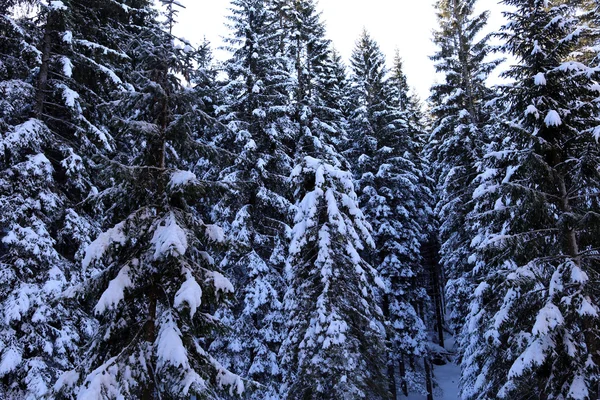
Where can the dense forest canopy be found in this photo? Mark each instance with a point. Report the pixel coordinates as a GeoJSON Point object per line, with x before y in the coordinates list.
{"type": "Point", "coordinates": [289, 224]}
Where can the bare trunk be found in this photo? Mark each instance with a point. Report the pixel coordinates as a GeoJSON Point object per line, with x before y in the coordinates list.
{"type": "Point", "coordinates": [428, 379]}
{"type": "Point", "coordinates": [392, 376]}
{"type": "Point", "coordinates": [403, 385]}
{"type": "Point", "coordinates": [572, 247]}
{"type": "Point", "coordinates": [149, 390]}
{"type": "Point", "coordinates": [42, 85]}
{"type": "Point", "coordinates": [432, 264]}
{"type": "Point", "coordinates": [463, 56]}
{"type": "Point", "coordinates": [391, 362]}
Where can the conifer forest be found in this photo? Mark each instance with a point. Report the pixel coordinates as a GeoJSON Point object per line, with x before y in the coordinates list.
{"type": "Point", "coordinates": [289, 224]}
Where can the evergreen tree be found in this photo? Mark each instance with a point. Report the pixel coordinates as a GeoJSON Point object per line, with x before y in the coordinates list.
{"type": "Point", "coordinates": [334, 343]}
{"type": "Point", "coordinates": [258, 212]}
{"type": "Point", "coordinates": [533, 321]}
{"type": "Point", "coordinates": [457, 139]}
{"type": "Point", "coordinates": [155, 285]}
{"type": "Point", "coordinates": [50, 129]}
{"type": "Point", "coordinates": [390, 191]}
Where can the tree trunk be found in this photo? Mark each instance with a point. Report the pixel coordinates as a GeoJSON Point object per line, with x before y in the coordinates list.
{"type": "Point", "coordinates": [428, 378]}
{"type": "Point", "coordinates": [42, 84]}
{"type": "Point", "coordinates": [432, 264]}
{"type": "Point", "coordinates": [391, 363]}
{"type": "Point", "coordinates": [572, 247]}
{"type": "Point", "coordinates": [150, 337]}
{"type": "Point", "coordinates": [403, 385]}
{"type": "Point", "coordinates": [392, 376]}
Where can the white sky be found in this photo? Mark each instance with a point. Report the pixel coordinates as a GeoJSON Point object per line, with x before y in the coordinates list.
{"type": "Point", "coordinates": [402, 24]}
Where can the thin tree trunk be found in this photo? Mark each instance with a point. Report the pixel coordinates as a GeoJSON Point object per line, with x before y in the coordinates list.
{"type": "Point", "coordinates": [392, 376]}
{"type": "Point", "coordinates": [428, 379]}
{"type": "Point", "coordinates": [150, 337]}
{"type": "Point", "coordinates": [158, 160]}
{"type": "Point", "coordinates": [403, 385]}
{"type": "Point", "coordinates": [391, 363]}
{"type": "Point", "coordinates": [571, 236]}
{"type": "Point", "coordinates": [430, 251]}
{"type": "Point", "coordinates": [42, 85]}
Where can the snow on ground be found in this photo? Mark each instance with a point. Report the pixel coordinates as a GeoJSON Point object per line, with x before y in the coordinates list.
{"type": "Point", "coordinates": [446, 376]}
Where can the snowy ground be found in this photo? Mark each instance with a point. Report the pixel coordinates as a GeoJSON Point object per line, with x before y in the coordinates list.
{"type": "Point", "coordinates": [447, 379]}
{"type": "Point", "coordinates": [446, 376]}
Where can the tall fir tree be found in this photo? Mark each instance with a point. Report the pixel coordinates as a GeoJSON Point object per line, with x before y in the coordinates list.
{"type": "Point", "coordinates": [51, 129]}
{"type": "Point", "coordinates": [457, 138]}
{"type": "Point", "coordinates": [392, 197]}
{"type": "Point", "coordinates": [154, 285]}
{"type": "Point", "coordinates": [258, 212]}
{"type": "Point", "coordinates": [533, 321]}
{"type": "Point", "coordinates": [334, 342]}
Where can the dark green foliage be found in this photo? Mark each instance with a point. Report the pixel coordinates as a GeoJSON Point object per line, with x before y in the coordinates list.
{"type": "Point", "coordinates": [457, 140]}
{"type": "Point", "coordinates": [533, 320]}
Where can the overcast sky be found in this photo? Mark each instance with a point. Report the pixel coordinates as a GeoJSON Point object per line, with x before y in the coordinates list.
{"type": "Point", "coordinates": [402, 24]}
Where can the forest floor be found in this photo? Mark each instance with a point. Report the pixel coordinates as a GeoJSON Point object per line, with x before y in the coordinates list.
{"type": "Point", "coordinates": [446, 377]}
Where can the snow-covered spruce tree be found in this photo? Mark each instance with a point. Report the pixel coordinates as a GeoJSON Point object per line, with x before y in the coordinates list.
{"type": "Point", "coordinates": [391, 196]}
{"type": "Point", "coordinates": [258, 213]}
{"type": "Point", "coordinates": [334, 347]}
{"type": "Point", "coordinates": [533, 321]}
{"type": "Point", "coordinates": [154, 286]}
{"type": "Point", "coordinates": [457, 138]}
{"type": "Point", "coordinates": [50, 125]}
{"type": "Point", "coordinates": [408, 109]}
{"type": "Point", "coordinates": [334, 93]}
{"type": "Point", "coordinates": [32, 268]}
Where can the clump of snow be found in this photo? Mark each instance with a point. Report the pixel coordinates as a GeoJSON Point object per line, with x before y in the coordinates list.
{"type": "Point", "coordinates": [67, 67]}
{"type": "Point", "coordinates": [573, 66]}
{"type": "Point", "coordinates": [587, 308]}
{"type": "Point", "coordinates": [55, 282]}
{"type": "Point", "coordinates": [596, 134]}
{"type": "Point", "coordinates": [484, 189]}
{"type": "Point", "coordinates": [336, 332]}
{"type": "Point", "coordinates": [531, 109]}
{"type": "Point", "coordinates": [98, 247]}
{"type": "Point", "coordinates": [169, 238]}
{"type": "Point", "coordinates": [536, 48]}
{"type": "Point", "coordinates": [115, 292]}
{"type": "Point", "coordinates": [233, 381]}
{"type": "Point", "coordinates": [57, 5]}
{"type": "Point", "coordinates": [221, 283]}
{"type": "Point", "coordinates": [540, 79]}
{"type": "Point", "coordinates": [535, 354]}
{"type": "Point", "coordinates": [31, 132]}
{"type": "Point", "coordinates": [67, 37]}
{"type": "Point", "coordinates": [102, 382]}
{"type": "Point", "coordinates": [41, 161]}
{"type": "Point", "coordinates": [11, 358]}
{"type": "Point", "coordinates": [547, 319]}
{"type": "Point", "coordinates": [215, 233]}
{"type": "Point", "coordinates": [509, 173]}
{"type": "Point", "coordinates": [181, 178]}
{"type": "Point", "coordinates": [70, 97]}
{"type": "Point", "coordinates": [73, 162]}
{"type": "Point", "coordinates": [578, 275]}
{"type": "Point", "coordinates": [67, 379]}
{"type": "Point", "coordinates": [169, 346]}
{"type": "Point", "coordinates": [579, 389]}
{"type": "Point", "coordinates": [380, 283]}
{"type": "Point", "coordinates": [552, 119]}
{"type": "Point", "coordinates": [190, 293]}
